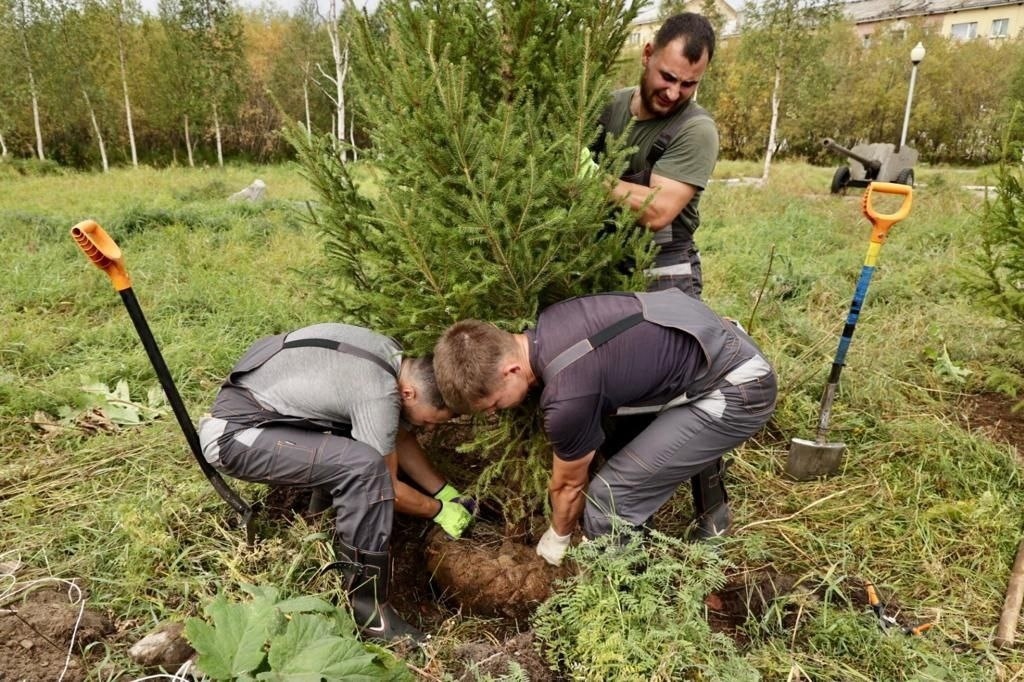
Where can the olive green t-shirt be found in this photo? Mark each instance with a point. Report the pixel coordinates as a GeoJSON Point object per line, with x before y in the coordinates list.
{"type": "Point", "coordinates": [690, 157]}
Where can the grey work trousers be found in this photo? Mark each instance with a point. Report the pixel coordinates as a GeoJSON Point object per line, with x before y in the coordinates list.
{"type": "Point", "coordinates": [686, 275]}
{"type": "Point", "coordinates": [354, 473]}
{"type": "Point", "coordinates": [635, 482]}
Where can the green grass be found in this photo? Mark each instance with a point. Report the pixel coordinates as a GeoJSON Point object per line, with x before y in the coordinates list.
{"type": "Point", "coordinates": [926, 506]}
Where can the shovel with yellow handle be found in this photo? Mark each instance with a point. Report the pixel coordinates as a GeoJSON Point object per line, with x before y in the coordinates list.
{"type": "Point", "coordinates": [809, 459]}
{"type": "Point", "coordinates": [105, 254]}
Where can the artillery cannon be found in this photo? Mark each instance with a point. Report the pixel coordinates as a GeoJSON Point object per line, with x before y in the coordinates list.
{"type": "Point", "coordinates": [870, 162]}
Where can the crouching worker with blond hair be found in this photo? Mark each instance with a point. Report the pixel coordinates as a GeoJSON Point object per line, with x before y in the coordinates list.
{"type": "Point", "coordinates": [702, 382]}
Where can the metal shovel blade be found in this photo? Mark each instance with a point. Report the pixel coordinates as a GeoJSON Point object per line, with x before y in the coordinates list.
{"type": "Point", "coordinates": [810, 459]}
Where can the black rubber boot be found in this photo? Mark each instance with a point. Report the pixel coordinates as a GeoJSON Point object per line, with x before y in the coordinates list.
{"type": "Point", "coordinates": [712, 517]}
{"type": "Point", "coordinates": [368, 580]}
{"type": "Point", "coordinates": [320, 500]}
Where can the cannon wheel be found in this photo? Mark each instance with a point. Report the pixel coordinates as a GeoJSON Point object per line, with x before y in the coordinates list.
{"type": "Point", "coordinates": [905, 177]}
{"type": "Point", "coordinates": [841, 179]}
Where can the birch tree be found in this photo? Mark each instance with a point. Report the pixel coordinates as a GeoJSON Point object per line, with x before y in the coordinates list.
{"type": "Point", "coordinates": [785, 36]}
{"type": "Point", "coordinates": [340, 54]}
{"type": "Point", "coordinates": [212, 31]}
{"type": "Point", "coordinates": [26, 17]}
{"type": "Point", "coordinates": [122, 15]}
{"type": "Point", "coordinates": [76, 50]}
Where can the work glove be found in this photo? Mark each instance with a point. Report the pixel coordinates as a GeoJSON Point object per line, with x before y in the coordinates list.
{"type": "Point", "coordinates": [449, 493]}
{"type": "Point", "coordinates": [454, 518]}
{"type": "Point", "coordinates": [588, 167]}
{"type": "Point", "coordinates": [552, 546]}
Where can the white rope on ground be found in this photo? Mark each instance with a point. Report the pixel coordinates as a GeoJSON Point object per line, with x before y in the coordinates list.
{"type": "Point", "coordinates": [12, 588]}
{"type": "Point", "coordinates": [186, 673]}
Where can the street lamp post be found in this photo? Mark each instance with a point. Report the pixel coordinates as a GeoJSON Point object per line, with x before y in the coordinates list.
{"type": "Point", "coordinates": [916, 56]}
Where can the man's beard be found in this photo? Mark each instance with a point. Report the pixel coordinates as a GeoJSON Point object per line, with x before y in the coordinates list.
{"type": "Point", "coordinates": [648, 99]}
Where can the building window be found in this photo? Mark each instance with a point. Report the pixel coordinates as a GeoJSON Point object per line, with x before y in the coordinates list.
{"type": "Point", "coordinates": [1000, 28]}
{"type": "Point", "coordinates": [964, 31]}
{"type": "Point", "coordinates": [634, 38]}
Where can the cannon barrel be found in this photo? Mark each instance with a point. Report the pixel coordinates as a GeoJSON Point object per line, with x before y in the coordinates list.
{"type": "Point", "coordinates": [870, 165]}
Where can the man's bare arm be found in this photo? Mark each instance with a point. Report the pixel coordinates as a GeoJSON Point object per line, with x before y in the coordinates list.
{"type": "Point", "coordinates": [408, 500]}
{"type": "Point", "coordinates": [668, 198]}
{"type": "Point", "coordinates": [568, 482]}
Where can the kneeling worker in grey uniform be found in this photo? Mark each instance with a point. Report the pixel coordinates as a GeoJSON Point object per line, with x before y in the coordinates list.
{"type": "Point", "coordinates": [620, 354]}
{"type": "Point", "coordinates": [331, 407]}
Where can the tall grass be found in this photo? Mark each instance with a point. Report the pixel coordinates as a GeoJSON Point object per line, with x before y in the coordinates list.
{"type": "Point", "coordinates": [926, 507]}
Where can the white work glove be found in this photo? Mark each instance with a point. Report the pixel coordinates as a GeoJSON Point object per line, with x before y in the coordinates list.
{"type": "Point", "coordinates": [552, 546]}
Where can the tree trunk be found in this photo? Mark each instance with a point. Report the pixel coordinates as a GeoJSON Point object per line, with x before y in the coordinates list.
{"type": "Point", "coordinates": [773, 129]}
{"type": "Point", "coordinates": [340, 72]}
{"type": "Point", "coordinates": [216, 132]}
{"type": "Point", "coordinates": [35, 98]}
{"type": "Point", "coordinates": [3, 146]}
{"type": "Point", "coordinates": [352, 139]}
{"type": "Point", "coordinates": [188, 145]}
{"type": "Point", "coordinates": [96, 129]}
{"type": "Point", "coordinates": [305, 101]}
{"type": "Point", "coordinates": [127, 100]}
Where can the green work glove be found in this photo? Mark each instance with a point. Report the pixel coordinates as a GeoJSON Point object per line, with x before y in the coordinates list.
{"type": "Point", "coordinates": [447, 493]}
{"type": "Point", "coordinates": [588, 167]}
{"type": "Point", "coordinates": [454, 518]}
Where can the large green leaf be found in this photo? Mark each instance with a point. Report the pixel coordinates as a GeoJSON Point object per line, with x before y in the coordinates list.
{"type": "Point", "coordinates": [233, 646]}
{"type": "Point", "coordinates": [308, 645]}
{"type": "Point", "coordinates": [305, 604]}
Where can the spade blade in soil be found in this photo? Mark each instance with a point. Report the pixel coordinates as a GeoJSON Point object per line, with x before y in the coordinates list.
{"type": "Point", "coordinates": [810, 459]}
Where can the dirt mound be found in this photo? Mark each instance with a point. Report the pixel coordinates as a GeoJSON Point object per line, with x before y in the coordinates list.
{"type": "Point", "coordinates": [994, 415]}
{"type": "Point", "coordinates": [490, 575]}
{"type": "Point", "coordinates": [36, 633]}
{"type": "Point", "coordinates": [745, 596]}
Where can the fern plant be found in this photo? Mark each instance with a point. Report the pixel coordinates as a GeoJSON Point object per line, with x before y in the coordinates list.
{"type": "Point", "coordinates": [636, 611]}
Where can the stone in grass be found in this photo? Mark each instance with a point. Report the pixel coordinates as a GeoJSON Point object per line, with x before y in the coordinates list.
{"type": "Point", "coordinates": [253, 192]}
{"type": "Point", "coordinates": [166, 647]}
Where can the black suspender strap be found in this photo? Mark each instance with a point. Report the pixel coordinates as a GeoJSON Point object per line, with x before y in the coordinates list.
{"type": "Point", "coordinates": [670, 132]}
{"type": "Point", "coordinates": [613, 330]}
{"type": "Point", "coordinates": [581, 348]}
{"type": "Point", "coordinates": [342, 347]}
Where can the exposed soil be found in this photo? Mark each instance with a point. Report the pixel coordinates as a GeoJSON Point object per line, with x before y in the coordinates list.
{"type": "Point", "coordinates": [490, 575]}
{"type": "Point", "coordinates": [36, 632]}
{"type": "Point", "coordinates": [746, 595]}
{"type": "Point", "coordinates": [993, 415]}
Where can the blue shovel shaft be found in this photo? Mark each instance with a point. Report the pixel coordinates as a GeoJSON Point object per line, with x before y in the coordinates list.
{"type": "Point", "coordinates": [825, 411]}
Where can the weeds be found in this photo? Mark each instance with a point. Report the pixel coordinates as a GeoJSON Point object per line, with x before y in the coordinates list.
{"type": "Point", "coordinates": [926, 506]}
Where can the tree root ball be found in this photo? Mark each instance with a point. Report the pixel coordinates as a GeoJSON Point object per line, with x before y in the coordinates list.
{"type": "Point", "coordinates": [487, 574]}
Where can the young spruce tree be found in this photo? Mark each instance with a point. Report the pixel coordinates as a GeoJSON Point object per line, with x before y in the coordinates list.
{"type": "Point", "coordinates": [477, 111]}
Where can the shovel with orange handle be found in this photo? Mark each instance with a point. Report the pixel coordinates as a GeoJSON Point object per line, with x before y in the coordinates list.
{"type": "Point", "coordinates": [809, 459]}
{"type": "Point", "coordinates": [105, 254]}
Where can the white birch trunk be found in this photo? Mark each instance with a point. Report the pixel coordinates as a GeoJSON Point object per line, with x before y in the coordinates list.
{"type": "Point", "coordinates": [3, 146]}
{"type": "Point", "coordinates": [340, 55]}
{"type": "Point", "coordinates": [773, 129]}
{"type": "Point", "coordinates": [305, 102]}
{"type": "Point", "coordinates": [96, 129]}
{"type": "Point", "coordinates": [216, 132]}
{"type": "Point", "coordinates": [35, 118]}
{"type": "Point", "coordinates": [127, 100]}
{"type": "Point", "coordinates": [188, 144]}
{"type": "Point", "coordinates": [35, 97]}
{"type": "Point", "coordinates": [352, 139]}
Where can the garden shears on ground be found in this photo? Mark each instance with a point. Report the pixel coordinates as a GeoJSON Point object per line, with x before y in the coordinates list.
{"type": "Point", "coordinates": [886, 622]}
